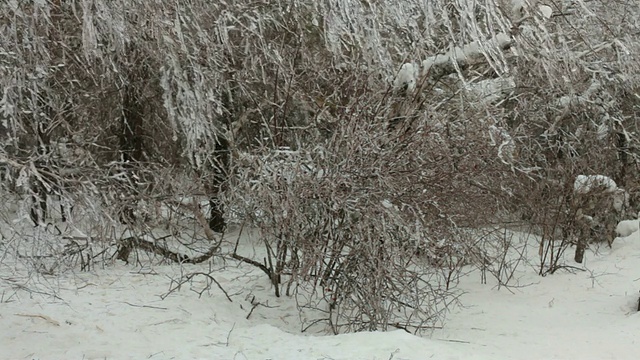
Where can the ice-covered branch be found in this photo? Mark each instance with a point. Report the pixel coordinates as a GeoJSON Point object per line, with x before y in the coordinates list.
{"type": "Point", "coordinates": [460, 56]}
{"type": "Point", "coordinates": [585, 97]}
{"type": "Point", "coordinates": [447, 63]}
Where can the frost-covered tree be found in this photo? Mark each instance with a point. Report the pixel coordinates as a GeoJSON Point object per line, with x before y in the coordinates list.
{"type": "Point", "coordinates": [370, 142]}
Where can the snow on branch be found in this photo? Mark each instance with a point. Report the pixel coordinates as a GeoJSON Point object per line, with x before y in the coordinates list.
{"type": "Point", "coordinates": [407, 77]}
{"type": "Point", "coordinates": [491, 90]}
{"type": "Point", "coordinates": [585, 97]}
{"type": "Point", "coordinates": [463, 55]}
{"type": "Point", "coordinates": [587, 183]}
{"type": "Point", "coordinates": [447, 63]}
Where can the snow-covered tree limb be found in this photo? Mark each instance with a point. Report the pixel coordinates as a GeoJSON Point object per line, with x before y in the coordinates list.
{"type": "Point", "coordinates": [450, 62]}
{"type": "Point", "coordinates": [442, 64]}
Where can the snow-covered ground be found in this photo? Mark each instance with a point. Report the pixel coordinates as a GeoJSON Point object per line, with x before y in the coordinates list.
{"type": "Point", "coordinates": [128, 312]}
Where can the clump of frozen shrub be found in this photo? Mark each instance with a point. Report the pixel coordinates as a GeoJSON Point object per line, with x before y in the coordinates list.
{"type": "Point", "coordinates": [371, 225]}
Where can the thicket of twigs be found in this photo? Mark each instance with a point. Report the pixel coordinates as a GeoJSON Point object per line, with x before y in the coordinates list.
{"type": "Point", "coordinates": [378, 148]}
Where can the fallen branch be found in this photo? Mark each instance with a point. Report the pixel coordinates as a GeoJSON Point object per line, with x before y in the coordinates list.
{"type": "Point", "coordinates": [247, 260]}
{"type": "Point", "coordinates": [126, 245]}
{"type": "Point", "coordinates": [44, 317]}
{"type": "Point", "coordinates": [252, 262]}
{"type": "Point", "coordinates": [190, 277]}
{"type": "Point", "coordinates": [146, 306]}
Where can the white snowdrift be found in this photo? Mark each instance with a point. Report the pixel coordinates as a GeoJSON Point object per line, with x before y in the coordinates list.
{"type": "Point", "coordinates": [117, 313]}
{"type": "Point", "coordinates": [627, 227]}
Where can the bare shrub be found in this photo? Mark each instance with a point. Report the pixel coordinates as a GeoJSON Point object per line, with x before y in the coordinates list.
{"type": "Point", "coordinates": [373, 222]}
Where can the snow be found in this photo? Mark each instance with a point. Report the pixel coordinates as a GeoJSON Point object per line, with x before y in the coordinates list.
{"type": "Point", "coordinates": [128, 312]}
{"type": "Point", "coordinates": [407, 77]}
{"type": "Point", "coordinates": [626, 227]}
{"type": "Point", "coordinates": [621, 200]}
{"type": "Point", "coordinates": [546, 11]}
{"type": "Point", "coordinates": [586, 183]}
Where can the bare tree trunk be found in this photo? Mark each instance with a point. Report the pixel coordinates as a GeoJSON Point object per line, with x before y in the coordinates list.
{"type": "Point", "coordinates": [131, 148]}
{"type": "Point", "coordinates": [220, 171]}
{"type": "Point", "coordinates": [580, 247]}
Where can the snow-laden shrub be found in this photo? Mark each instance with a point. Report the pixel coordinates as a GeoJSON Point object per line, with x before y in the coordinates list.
{"type": "Point", "coordinates": [599, 204]}
{"type": "Point", "coordinates": [371, 225]}
{"type": "Point", "coordinates": [584, 185]}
